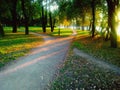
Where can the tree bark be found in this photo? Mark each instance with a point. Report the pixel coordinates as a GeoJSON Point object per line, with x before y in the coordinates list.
{"type": "Point", "coordinates": [111, 21]}
{"type": "Point", "coordinates": [43, 21]}
{"type": "Point", "coordinates": [90, 26]}
{"type": "Point", "coordinates": [83, 21]}
{"type": "Point", "coordinates": [26, 18]}
{"type": "Point", "coordinates": [52, 22]}
{"type": "Point", "coordinates": [1, 30]}
{"type": "Point", "coordinates": [14, 16]}
{"type": "Point", "coordinates": [93, 18]}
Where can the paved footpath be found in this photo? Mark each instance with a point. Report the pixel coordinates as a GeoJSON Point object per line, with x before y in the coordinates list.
{"type": "Point", "coordinates": [35, 70]}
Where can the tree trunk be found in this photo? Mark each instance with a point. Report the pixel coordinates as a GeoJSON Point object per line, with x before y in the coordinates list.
{"type": "Point", "coordinates": [43, 21]}
{"type": "Point", "coordinates": [26, 27]}
{"type": "Point", "coordinates": [83, 21]}
{"type": "Point", "coordinates": [93, 14]}
{"type": "Point", "coordinates": [107, 34]}
{"type": "Point", "coordinates": [14, 16]}
{"type": "Point", "coordinates": [26, 19]}
{"type": "Point", "coordinates": [1, 31]}
{"type": "Point", "coordinates": [52, 22]}
{"type": "Point", "coordinates": [90, 25]}
{"type": "Point", "coordinates": [111, 21]}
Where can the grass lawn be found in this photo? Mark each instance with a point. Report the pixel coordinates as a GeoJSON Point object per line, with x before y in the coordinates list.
{"type": "Point", "coordinates": [98, 48]}
{"type": "Point", "coordinates": [63, 31]}
{"type": "Point", "coordinates": [95, 46]}
{"type": "Point", "coordinates": [77, 73]}
{"type": "Point", "coordinates": [14, 45]}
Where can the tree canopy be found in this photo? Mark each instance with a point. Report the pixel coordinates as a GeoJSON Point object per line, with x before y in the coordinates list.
{"type": "Point", "coordinates": [86, 13]}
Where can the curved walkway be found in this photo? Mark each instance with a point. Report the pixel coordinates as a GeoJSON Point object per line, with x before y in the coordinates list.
{"type": "Point", "coordinates": [35, 70]}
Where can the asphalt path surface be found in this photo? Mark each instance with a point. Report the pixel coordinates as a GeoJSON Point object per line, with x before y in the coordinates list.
{"type": "Point", "coordinates": [35, 70]}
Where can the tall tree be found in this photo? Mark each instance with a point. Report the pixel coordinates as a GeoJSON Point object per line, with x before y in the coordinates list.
{"type": "Point", "coordinates": [1, 30]}
{"type": "Point", "coordinates": [1, 27]}
{"type": "Point", "coordinates": [52, 22]}
{"type": "Point", "coordinates": [44, 20]}
{"type": "Point", "coordinates": [51, 17]}
{"type": "Point", "coordinates": [112, 7]}
{"type": "Point", "coordinates": [44, 6]}
{"type": "Point", "coordinates": [26, 15]}
{"type": "Point", "coordinates": [3, 13]}
{"type": "Point", "coordinates": [13, 9]}
{"type": "Point", "coordinates": [93, 5]}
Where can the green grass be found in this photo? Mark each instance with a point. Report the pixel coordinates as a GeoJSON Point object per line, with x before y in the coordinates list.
{"type": "Point", "coordinates": [63, 32]}
{"type": "Point", "coordinates": [31, 29]}
{"type": "Point", "coordinates": [98, 48]}
{"type": "Point", "coordinates": [37, 29]}
{"type": "Point", "coordinates": [14, 45]}
{"type": "Point", "coordinates": [76, 73]}
{"type": "Point", "coordinates": [79, 74]}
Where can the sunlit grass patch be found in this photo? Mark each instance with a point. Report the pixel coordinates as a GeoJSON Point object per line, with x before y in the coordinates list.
{"type": "Point", "coordinates": [79, 74]}
{"type": "Point", "coordinates": [63, 32]}
{"type": "Point", "coordinates": [21, 28]}
{"type": "Point", "coordinates": [35, 29]}
{"type": "Point", "coordinates": [98, 48]}
{"type": "Point", "coordinates": [14, 45]}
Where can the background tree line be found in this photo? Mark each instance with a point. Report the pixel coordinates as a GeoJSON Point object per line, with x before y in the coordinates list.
{"type": "Point", "coordinates": [86, 13]}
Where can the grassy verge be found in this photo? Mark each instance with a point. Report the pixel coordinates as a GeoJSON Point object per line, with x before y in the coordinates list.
{"type": "Point", "coordinates": [98, 48]}
{"type": "Point", "coordinates": [79, 74]}
{"type": "Point", "coordinates": [14, 45]}
{"type": "Point", "coordinates": [63, 31]}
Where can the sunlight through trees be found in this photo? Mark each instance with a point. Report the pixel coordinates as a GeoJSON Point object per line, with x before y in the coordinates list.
{"type": "Point", "coordinates": [97, 16]}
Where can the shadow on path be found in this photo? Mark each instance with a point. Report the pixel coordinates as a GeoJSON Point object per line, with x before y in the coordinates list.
{"type": "Point", "coordinates": [35, 70]}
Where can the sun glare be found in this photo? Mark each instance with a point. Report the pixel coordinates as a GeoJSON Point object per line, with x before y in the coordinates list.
{"type": "Point", "coordinates": [118, 27]}
{"type": "Point", "coordinates": [118, 30]}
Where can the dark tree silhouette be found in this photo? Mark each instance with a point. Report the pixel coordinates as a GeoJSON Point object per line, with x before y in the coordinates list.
{"type": "Point", "coordinates": [13, 9]}
{"type": "Point", "coordinates": [52, 22]}
{"type": "Point", "coordinates": [93, 5]}
{"type": "Point", "coordinates": [112, 6]}
{"type": "Point", "coordinates": [1, 30]}
{"type": "Point", "coordinates": [44, 20]}
{"type": "Point", "coordinates": [26, 17]}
